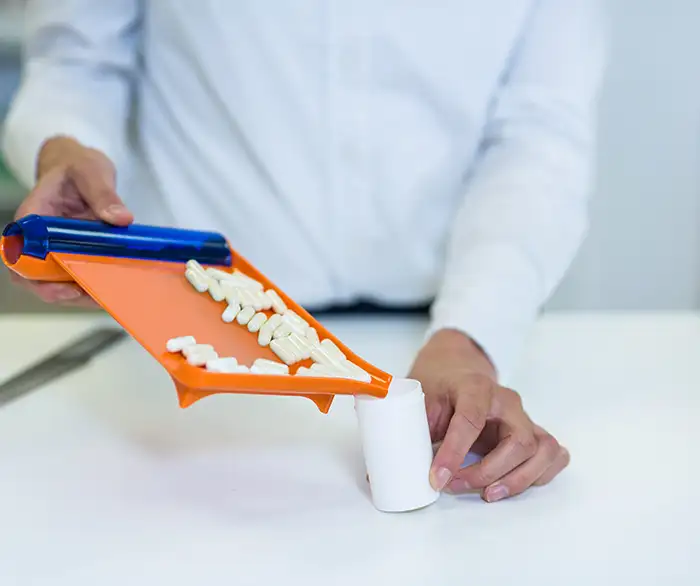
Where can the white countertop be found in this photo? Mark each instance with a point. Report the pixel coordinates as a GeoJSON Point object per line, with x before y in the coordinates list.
{"type": "Point", "coordinates": [104, 480]}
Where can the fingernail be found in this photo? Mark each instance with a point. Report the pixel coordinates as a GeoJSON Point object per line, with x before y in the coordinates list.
{"type": "Point", "coordinates": [496, 493]}
{"type": "Point", "coordinates": [115, 210]}
{"type": "Point", "coordinates": [68, 294]}
{"type": "Point", "coordinates": [440, 478]}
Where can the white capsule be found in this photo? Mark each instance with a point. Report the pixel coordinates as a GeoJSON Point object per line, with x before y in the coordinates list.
{"type": "Point", "coordinates": [201, 358]}
{"type": "Point", "coordinates": [230, 313]}
{"type": "Point", "coordinates": [355, 372]}
{"type": "Point", "coordinates": [312, 336]}
{"type": "Point", "coordinates": [239, 369]}
{"type": "Point", "coordinates": [241, 283]}
{"type": "Point", "coordinates": [284, 330]}
{"type": "Point", "coordinates": [278, 304]}
{"type": "Point", "coordinates": [198, 269]}
{"type": "Point", "coordinates": [196, 348]}
{"type": "Point", "coordinates": [221, 364]}
{"type": "Point", "coordinates": [245, 315]}
{"type": "Point", "coordinates": [304, 341]}
{"type": "Point", "coordinates": [194, 265]}
{"type": "Point", "coordinates": [264, 337]}
{"type": "Point", "coordinates": [292, 316]}
{"type": "Point", "coordinates": [198, 281]}
{"type": "Point", "coordinates": [320, 356]}
{"type": "Point", "coordinates": [301, 346]}
{"type": "Point", "coordinates": [324, 370]}
{"type": "Point", "coordinates": [288, 327]}
{"type": "Point", "coordinates": [275, 321]}
{"type": "Point", "coordinates": [271, 325]}
{"type": "Point", "coordinates": [270, 371]}
{"type": "Point", "coordinates": [247, 298]}
{"type": "Point", "coordinates": [258, 301]}
{"type": "Point", "coordinates": [333, 350]}
{"type": "Point", "coordinates": [315, 371]}
{"type": "Point", "coordinates": [267, 369]}
{"type": "Point", "coordinates": [231, 293]}
{"type": "Point", "coordinates": [216, 291]}
{"type": "Point", "coordinates": [265, 300]}
{"type": "Point", "coordinates": [179, 344]}
{"type": "Point", "coordinates": [230, 279]}
{"type": "Point", "coordinates": [251, 282]}
{"type": "Point", "coordinates": [297, 324]}
{"type": "Point", "coordinates": [217, 274]}
{"type": "Point", "coordinates": [256, 322]}
{"type": "Point", "coordinates": [292, 343]}
{"type": "Point", "coordinates": [270, 365]}
{"type": "Point", "coordinates": [283, 351]}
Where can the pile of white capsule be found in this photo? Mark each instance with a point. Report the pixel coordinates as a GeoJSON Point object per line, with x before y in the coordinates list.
{"type": "Point", "coordinates": [265, 314]}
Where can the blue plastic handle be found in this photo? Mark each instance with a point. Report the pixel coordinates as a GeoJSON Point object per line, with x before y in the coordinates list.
{"type": "Point", "coordinates": [41, 235]}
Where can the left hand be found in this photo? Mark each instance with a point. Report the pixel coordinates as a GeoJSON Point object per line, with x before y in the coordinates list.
{"type": "Point", "coordinates": [469, 411]}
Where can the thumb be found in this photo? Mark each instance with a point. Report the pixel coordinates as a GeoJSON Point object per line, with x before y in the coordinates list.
{"type": "Point", "coordinates": [95, 181]}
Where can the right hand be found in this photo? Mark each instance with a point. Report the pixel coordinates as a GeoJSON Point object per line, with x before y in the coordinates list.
{"type": "Point", "coordinates": [73, 181]}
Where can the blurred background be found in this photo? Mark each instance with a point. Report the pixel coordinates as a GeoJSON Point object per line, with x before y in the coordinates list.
{"type": "Point", "coordinates": [643, 250]}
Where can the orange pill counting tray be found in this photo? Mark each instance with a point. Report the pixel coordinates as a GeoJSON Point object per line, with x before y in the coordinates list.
{"type": "Point", "coordinates": [137, 274]}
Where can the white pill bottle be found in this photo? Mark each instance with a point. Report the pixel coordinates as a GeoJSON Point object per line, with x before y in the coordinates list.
{"type": "Point", "coordinates": [397, 448]}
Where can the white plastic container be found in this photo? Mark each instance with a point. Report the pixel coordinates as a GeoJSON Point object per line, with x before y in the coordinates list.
{"type": "Point", "coordinates": [397, 448]}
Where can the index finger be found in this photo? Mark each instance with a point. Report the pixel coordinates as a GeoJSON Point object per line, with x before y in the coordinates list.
{"type": "Point", "coordinates": [467, 423]}
{"type": "Point", "coordinates": [48, 292]}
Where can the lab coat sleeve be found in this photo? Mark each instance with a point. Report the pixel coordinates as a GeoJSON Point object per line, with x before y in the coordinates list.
{"type": "Point", "coordinates": [80, 57]}
{"type": "Point", "coordinates": [524, 214]}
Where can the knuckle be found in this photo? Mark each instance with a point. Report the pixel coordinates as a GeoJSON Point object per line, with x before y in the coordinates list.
{"type": "Point", "coordinates": [512, 397]}
{"type": "Point", "coordinates": [506, 402]}
{"type": "Point", "coordinates": [527, 443]}
{"type": "Point", "coordinates": [79, 167]}
{"type": "Point", "coordinates": [565, 457]}
{"type": "Point", "coordinates": [471, 415]}
{"type": "Point", "coordinates": [549, 445]}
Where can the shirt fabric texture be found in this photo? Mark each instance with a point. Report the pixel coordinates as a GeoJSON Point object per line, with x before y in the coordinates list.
{"type": "Point", "coordinates": [393, 151]}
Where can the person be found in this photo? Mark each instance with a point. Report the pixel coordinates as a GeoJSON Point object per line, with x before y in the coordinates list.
{"type": "Point", "coordinates": [356, 151]}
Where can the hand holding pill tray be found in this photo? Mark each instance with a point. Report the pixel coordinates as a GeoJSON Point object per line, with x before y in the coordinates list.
{"type": "Point", "coordinates": [218, 325]}
{"type": "Point", "coordinates": [210, 318]}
